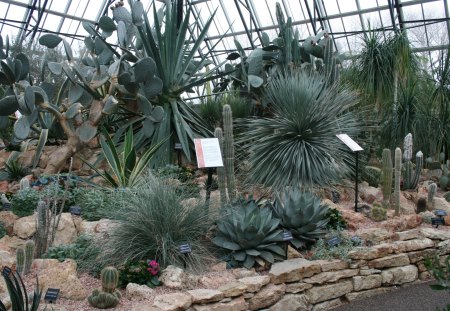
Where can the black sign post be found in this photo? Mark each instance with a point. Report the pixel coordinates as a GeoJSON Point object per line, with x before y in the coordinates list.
{"type": "Point", "coordinates": [185, 249]}
{"type": "Point", "coordinates": [355, 148]}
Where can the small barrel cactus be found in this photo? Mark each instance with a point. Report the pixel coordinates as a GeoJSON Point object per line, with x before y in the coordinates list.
{"type": "Point", "coordinates": [378, 213]}
{"type": "Point", "coordinates": [20, 260]}
{"type": "Point", "coordinates": [103, 300]}
{"type": "Point", "coordinates": [110, 278]}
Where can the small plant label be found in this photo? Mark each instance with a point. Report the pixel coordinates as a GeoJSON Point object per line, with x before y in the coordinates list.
{"type": "Point", "coordinates": [437, 221]}
{"type": "Point", "coordinates": [185, 248]}
{"type": "Point", "coordinates": [7, 206]}
{"type": "Point", "coordinates": [208, 152]}
{"type": "Point", "coordinates": [287, 236]}
{"type": "Point", "coordinates": [51, 295]}
{"type": "Point", "coordinates": [334, 241]}
{"type": "Point", "coordinates": [440, 212]}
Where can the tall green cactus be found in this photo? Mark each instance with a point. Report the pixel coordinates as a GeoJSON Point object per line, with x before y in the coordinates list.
{"type": "Point", "coordinates": [20, 260]}
{"type": "Point", "coordinates": [42, 228]}
{"type": "Point", "coordinates": [228, 150]}
{"type": "Point", "coordinates": [411, 180]}
{"type": "Point", "coordinates": [386, 177]}
{"type": "Point", "coordinates": [110, 278]}
{"type": "Point", "coordinates": [397, 177]}
{"type": "Point", "coordinates": [221, 179]}
{"type": "Point", "coordinates": [24, 183]}
{"type": "Point", "coordinates": [29, 256]}
{"type": "Point", "coordinates": [431, 193]}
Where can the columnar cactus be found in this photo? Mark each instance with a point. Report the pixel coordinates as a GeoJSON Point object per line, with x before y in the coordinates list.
{"type": "Point", "coordinates": [42, 227]}
{"type": "Point", "coordinates": [24, 183]}
{"type": "Point", "coordinates": [410, 181]}
{"type": "Point", "coordinates": [431, 193]}
{"type": "Point", "coordinates": [397, 177]}
{"type": "Point", "coordinates": [228, 150]}
{"type": "Point", "coordinates": [110, 278]}
{"type": "Point", "coordinates": [29, 255]}
{"type": "Point", "coordinates": [386, 177]}
{"type": "Point", "coordinates": [221, 180]}
{"type": "Point", "coordinates": [20, 260]}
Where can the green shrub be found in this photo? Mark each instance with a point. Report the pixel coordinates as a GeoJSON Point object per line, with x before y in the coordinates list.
{"type": "Point", "coordinates": [143, 272]}
{"type": "Point", "coordinates": [153, 223]}
{"type": "Point", "coordinates": [97, 203]}
{"type": "Point", "coordinates": [378, 213]}
{"type": "Point", "coordinates": [24, 202]}
{"type": "Point", "coordinates": [186, 176]}
{"type": "Point", "coordinates": [321, 250]}
{"type": "Point", "coordinates": [336, 221]}
{"type": "Point", "coordinates": [441, 272]}
{"type": "Point", "coordinates": [15, 170]}
{"type": "Point", "coordinates": [2, 230]}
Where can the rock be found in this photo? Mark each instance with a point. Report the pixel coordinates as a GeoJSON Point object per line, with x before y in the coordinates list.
{"type": "Point", "coordinates": [293, 270]}
{"type": "Point", "coordinates": [237, 304]}
{"type": "Point", "coordinates": [219, 267]}
{"type": "Point", "coordinates": [402, 223]}
{"type": "Point", "coordinates": [412, 245]}
{"type": "Point", "coordinates": [415, 257]}
{"type": "Point", "coordinates": [25, 227]}
{"type": "Point", "coordinates": [7, 258]}
{"type": "Point", "coordinates": [332, 265]}
{"type": "Point", "coordinates": [370, 194]}
{"type": "Point", "coordinates": [368, 293]}
{"type": "Point", "coordinates": [390, 261]}
{"type": "Point", "coordinates": [11, 243]}
{"type": "Point", "coordinates": [329, 291]}
{"type": "Point", "coordinates": [353, 219]}
{"type": "Point", "coordinates": [369, 253]}
{"type": "Point", "coordinates": [63, 275]}
{"type": "Point", "coordinates": [175, 278]}
{"type": "Point", "coordinates": [441, 203]}
{"type": "Point", "coordinates": [8, 218]}
{"type": "Point", "coordinates": [233, 289]}
{"type": "Point", "coordinates": [254, 283]}
{"type": "Point", "coordinates": [436, 234]}
{"type": "Point", "coordinates": [408, 235]}
{"type": "Point", "coordinates": [399, 275]}
{"type": "Point", "coordinates": [202, 296]}
{"type": "Point", "coordinates": [66, 232]}
{"type": "Point", "coordinates": [213, 279]}
{"type": "Point", "coordinates": [327, 305]}
{"type": "Point", "coordinates": [243, 273]}
{"type": "Point", "coordinates": [293, 253]}
{"type": "Point", "coordinates": [173, 302]}
{"type": "Point", "coordinates": [138, 292]}
{"type": "Point", "coordinates": [365, 272]}
{"type": "Point", "coordinates": [297, 287]}
{"type": "Point", "coordinates": [4, 184]}
{"type": "Point", "coordinates": [269, 295]}
{"type": "Point", "coordinates": [331, 276]}
{"type": "Point", "coordinates": [144, 307]}
{"type": "Point", "coordinates": [366, 282]}
{"type": "Point", "coordinates": [292, 302]}
{"type": "Point", "coordinates": [375, 235]}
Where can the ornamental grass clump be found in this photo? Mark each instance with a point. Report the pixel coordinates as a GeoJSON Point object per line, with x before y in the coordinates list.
{"type": "Point", "coordinates": [153, 223]}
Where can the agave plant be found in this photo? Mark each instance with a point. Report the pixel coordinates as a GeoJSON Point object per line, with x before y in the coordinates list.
{"type": "Point", "coordinates": [302, 214]}
{"type": "Point", "coordinates": [18, 292]}
{"type": "Point", "coordinates": [251, 234]}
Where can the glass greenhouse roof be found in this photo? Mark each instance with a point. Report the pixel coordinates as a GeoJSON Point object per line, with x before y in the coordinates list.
{"type": "Point", "coordinates": [426, 21]}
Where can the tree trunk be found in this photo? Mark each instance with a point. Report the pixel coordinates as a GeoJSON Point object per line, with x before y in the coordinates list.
{"type": "Point", "coordinates": [60, 157]}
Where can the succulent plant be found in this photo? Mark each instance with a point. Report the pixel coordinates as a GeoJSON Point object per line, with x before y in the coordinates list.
{"type": "Point", "coordinates": [103, 300]}
{"type": "Point", "coordinates": [302, 214]}
{"type": "Point", "coordinates": [20, 260]}
{"type": "Point", "coordinates": [386, 177]}
{"type": "Point", "coordinates": [110, 279]}
{"type": "Point", "coordinates": [29, 256]}
{"type": "Point", "coordinates": [378, 213]}
{"type": "Point", "coordinates": [251, 234]}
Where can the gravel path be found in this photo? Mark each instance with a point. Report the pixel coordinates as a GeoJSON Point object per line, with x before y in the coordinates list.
{"type": "Point", "coordinates": [418, 297]}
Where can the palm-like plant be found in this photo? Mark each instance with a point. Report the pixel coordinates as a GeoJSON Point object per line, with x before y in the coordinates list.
{"type": "Point", "coordinates": [251, 234]}
{"type": "Point", "coordinates": [302, 214]}
{"type": "Point", "coordinates": [298, 145]}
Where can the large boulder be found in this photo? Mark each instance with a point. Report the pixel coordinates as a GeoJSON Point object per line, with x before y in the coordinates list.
{"type": "Point", "coordinates": [63, 275]}
{"type": "Point", "coordinates": [8, 218]}
{"type": "Point", "coordinates": [138, 292]}
{"type": "Point", "coordinates": [293, 270]}
{"type": "Point", "coordinates": [66, 232]}
{"type": "Point", "coordinates": [25, 227]}
{"type": "Point", "coordinates": [175, 278]}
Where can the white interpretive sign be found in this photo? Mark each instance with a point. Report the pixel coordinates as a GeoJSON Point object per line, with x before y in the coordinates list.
{"type": "Point", "coordinates": [208, 152]}
{"type": "Point", "coordinates": [353, 145]}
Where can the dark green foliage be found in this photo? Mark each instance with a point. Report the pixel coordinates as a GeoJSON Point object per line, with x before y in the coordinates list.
{"type": "Point", "coordinates": [185, 175]}
{"type": "Point", "coordinates": [297, 146]}
{"type": "Point", "coordinates": [371, 174]}
{"type": "Point", "coordinates": [18, 293]}
{"type": "Point", "coordinates": [15, 170]}
{"type": "Point", "coordinates": [137, 272]}
{"type": "Point", "coordinates": [321, 250]}
{"type": "Point", "coordinates": [250, 234]}
{"type": "Point", "coordinates": [153, 223]}
{"type": "Point", "coordinates": [74, 251]}
{"type": "Point", "coordinates": [447, 196]}
{"type": "Point", "coordinates": [302, 214]}
{"type": "Point", "coordinates": [3, 231]}
{"type": "Point", "coordinates": [24, 202]}
{"type": "Point", "coordinates": [440, 270]}
{"type": "Point", "coordinates": [96, 203]}
{"type": "Point", "coordinates": [335, 220]}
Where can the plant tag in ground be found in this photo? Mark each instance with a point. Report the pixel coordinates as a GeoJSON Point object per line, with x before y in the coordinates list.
{"type": "Point", "coordinates": [334, 241]}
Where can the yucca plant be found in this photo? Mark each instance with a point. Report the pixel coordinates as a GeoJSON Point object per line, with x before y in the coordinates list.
{"type": "Point", "coordinates": [125, 166]}
{"type": "Point", "coordinates": [15, 170]}
{"type": "Point", "coordinates": [297, 145]}
{"type": "Point", "coordinates": [302, 214]}
{"type": "Point", "coordinates": [251, 234]}
{"type": "Point", "coordinates": [18, 292]}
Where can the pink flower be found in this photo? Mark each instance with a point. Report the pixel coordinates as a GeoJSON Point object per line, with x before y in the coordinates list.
{"type": "Point", "coordinates": [153, 267]}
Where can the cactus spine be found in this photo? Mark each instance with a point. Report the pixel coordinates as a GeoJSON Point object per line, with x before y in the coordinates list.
{"type": "Point", "coordinates": [29, 255]}
{"type": "Point", "coordinates": [110, 278]}
{"type": "Point", "coordinates": [228, 150]}
{"type": "Point", "coordinates": [20, 260]}
{"type": "Point", "coordinates": [431, 193]}
{"type": "Point", "coordinates": [386, 177]}
{"type": "Point", "coordinates": [397, 176]}
{"type": "Point", "coordinates": [221, 179]}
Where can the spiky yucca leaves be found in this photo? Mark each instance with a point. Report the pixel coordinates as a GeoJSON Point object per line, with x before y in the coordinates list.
{"type": "Point", "coordinates": [298, 146]}
{"type": "Point", "coordinates": [251, 234]}
{"type": "Point", "coordinates": [302, 214]}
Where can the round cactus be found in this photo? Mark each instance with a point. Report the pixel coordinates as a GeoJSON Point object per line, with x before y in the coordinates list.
{"type": "Point", "coordinates": [110, 278]}
{"type": "Point", "coordinates": [102, 300]}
